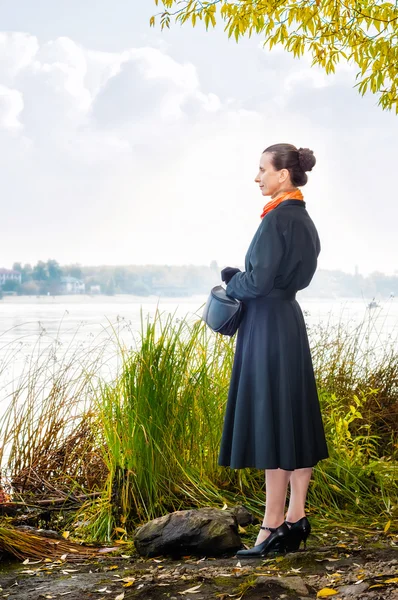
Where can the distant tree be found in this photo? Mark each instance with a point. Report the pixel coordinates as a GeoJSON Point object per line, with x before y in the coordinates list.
{"type": "Point", "coordinates": [17, 266]}
{"type": "Point", "coordinates": [54, 270]}
{"type": "Point", "coordinates": [361, 32]}
{"type": "Point", "coordinates": [10, 286]}
{"type": "Point", "coordinates": [30, 288]}
{"type": "Point", "coordinates": [74, 271]}
{"type": "Point", "coordinates": [27, 273]}
{"type": "Point", "coordinates": [40, 272]}
{"type": "Point", "coordinates": [110, 288]}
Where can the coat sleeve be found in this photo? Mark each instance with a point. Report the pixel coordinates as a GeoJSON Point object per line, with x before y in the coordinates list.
{"type": "Point", "coordinates": [264, 261]}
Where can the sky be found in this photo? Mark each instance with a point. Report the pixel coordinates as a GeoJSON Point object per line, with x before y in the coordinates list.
{"type": "Point", "coordinates": [123, 144]}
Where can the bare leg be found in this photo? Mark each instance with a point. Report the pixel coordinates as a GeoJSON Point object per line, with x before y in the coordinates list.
{"type": "Point", "coordinates": [299, 482]}
{"type": "Point", "coordinates": [276, 481]}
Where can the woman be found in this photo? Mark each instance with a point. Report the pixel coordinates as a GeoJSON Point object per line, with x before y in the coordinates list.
{"type": "Point", "coordinates": [273, 420]}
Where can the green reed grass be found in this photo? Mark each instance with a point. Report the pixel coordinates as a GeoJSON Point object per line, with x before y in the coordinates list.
{"type": "Point", "coordinates": [148, 438]}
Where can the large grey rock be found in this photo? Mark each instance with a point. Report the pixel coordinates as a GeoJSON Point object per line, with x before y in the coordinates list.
{"type": "Point", "coordinates": [206, 531]}
{"type": "Point", "coordinates": [243, 516]}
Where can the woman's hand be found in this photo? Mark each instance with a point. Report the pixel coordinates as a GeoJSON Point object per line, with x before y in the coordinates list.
{"type": "Point", "coordinates": [228, 273]}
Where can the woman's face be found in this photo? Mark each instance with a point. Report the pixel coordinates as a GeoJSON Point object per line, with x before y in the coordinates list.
{"type": "Point", "coordinates": [271, 182]}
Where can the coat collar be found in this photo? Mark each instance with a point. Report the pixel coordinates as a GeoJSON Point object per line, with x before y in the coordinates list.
{"type": "Point", "coordinates": [300, 203]}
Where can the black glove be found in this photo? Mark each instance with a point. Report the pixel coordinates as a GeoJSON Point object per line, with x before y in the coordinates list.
{"type": "Point", "coordinates": [228, 273]}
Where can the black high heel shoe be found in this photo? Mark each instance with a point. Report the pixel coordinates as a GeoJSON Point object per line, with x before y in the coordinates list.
{"type": "Point", "coordinates": [275, 542]}
{"type": "Point", "coordinates": [299, 532]}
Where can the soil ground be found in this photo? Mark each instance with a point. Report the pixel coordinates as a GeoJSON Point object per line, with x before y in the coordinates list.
{"type": "Point", "coordinates": [354, 567]}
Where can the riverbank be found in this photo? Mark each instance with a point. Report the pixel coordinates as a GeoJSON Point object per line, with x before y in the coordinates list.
{"type": "Point", "coordinates": [353, 564]}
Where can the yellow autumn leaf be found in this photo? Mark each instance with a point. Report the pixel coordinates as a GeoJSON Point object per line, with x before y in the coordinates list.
{"type": "Point", "coordinates": [128, 584]}
{"type": "Point", "coordinates": [241, 529]}
{"type": "Point", "coordinates": [65, 534]}
{"type": "Point", "coordinates": [393, 580]}
{"type": "Point", "coordinates": [113, 567]}
{"type": "Point", "coordinates": [326, 592]}
{"type": "Point", "coordinates": [387, 526]}
{"type": "Point", "coordinates": [120, 530]}
{"type": "Point", "coordinates": [128, 579]}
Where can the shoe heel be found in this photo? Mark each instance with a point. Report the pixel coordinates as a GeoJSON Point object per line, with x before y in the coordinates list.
{"type": "Point", "coordinates": [306, 533]}
{"type": "Point", "coordinates": [293, 543]}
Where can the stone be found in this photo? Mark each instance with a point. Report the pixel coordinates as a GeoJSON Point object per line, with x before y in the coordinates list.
{"type": "Point", "coordinates": [204, 532]}
{"type": "Point", "coordinates": [354, 589]}
{"type": "Point", "coordinates": [243, 516]}
{"type": "Point", "coordinates": [292, 584]}
{"type": "Point", "coordinates": [47, 533]}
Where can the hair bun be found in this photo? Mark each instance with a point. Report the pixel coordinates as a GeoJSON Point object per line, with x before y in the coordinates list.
{"type": "Point", "coordinates": [307, 159]}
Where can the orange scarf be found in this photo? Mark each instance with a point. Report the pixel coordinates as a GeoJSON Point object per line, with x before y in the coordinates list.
{"type": "Point", "coordinates": [295, 195]}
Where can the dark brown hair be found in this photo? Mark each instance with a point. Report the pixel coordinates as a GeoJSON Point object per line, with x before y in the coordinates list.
{"type": "Point", "coordinates": [296, 161]}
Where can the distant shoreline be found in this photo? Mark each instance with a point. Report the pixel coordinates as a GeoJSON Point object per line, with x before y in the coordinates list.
{"type": "Point", "coordinates": [100, 299]}
{"type": "Point", "coordinates": [153, 299]}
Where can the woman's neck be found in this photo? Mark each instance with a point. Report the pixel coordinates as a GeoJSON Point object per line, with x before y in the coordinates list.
{"type": "Point", "coordinates": [284, 191]}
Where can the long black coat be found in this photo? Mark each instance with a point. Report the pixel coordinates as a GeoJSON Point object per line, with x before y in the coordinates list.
{"type": "Point", "coordinates": [273, 417]}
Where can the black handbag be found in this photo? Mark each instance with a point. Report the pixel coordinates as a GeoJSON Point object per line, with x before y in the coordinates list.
{"type": "Point", "coordinates": [222, 313]}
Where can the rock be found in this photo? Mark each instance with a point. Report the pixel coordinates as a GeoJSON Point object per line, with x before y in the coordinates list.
{"type": "Point", "coordinates": [243, 516]}
{"type": "Point", "coordinates": [354, 589]}
{"type": "Point", "coordinates": [47, 533]}
{"type": "Point", "coordinates": [206, 531]}
{"type": "Point", "coordinates": [292, 584]}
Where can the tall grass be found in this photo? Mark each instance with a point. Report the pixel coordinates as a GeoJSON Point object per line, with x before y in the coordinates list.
{"type": "Point", "coordinates": [148, 440]}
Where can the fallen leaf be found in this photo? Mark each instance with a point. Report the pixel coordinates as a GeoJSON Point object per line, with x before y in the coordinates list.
{"type": "Point", "coordinates": [225, 507]}
{"type": "Point", "coordinates": [120, 530]}
{"type": "Point", "coordinates": [129, 584]}
{"type": "Point", "coordinates": [393, 580]}
{"type": "Point", "coordinates": [113, 567]}
{"type": "Point", "coordinates": [387, 526]}
{"type": "Point", "coordinates": [119, 596]}
{"type": "Point", "coordinates": [193, 590]}
{"type": "Point", "coordinates": [241, 529]}
{"type": "Point", "coordinates": [65, 534]}
{"type": "Point", "coordinates": [326, 592]}
{"type": "Point", "coordinates": [128, 579]}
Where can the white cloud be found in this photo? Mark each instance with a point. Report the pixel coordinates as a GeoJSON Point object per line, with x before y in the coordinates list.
{"type": "Point", "coordinates": [126, 157]}
{"type": "Point", "coordinates": [17, 51]}
{"type": "Point", "coordinates": [11, 106]}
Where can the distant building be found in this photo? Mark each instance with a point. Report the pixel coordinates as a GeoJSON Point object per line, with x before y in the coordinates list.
{"type": "Point", "coordinates": [71, 285]}
{"type": "Point", "coordinates": [9, 275]}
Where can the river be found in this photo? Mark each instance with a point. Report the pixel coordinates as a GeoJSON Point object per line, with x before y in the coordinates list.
{"type": "Point", "coordinates": [31, 326]}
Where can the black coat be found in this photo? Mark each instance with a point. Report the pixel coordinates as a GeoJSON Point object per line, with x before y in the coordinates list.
{"type": "Point", "coordinates": [273, 418]}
